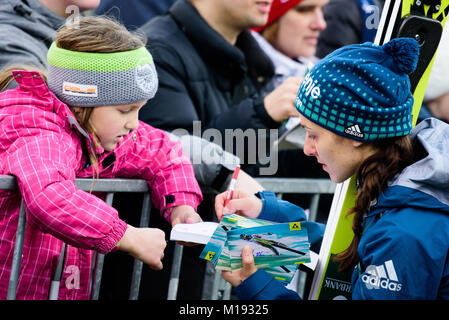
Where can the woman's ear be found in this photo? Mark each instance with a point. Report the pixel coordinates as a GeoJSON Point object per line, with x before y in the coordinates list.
{"type": "Point", "coordinates": [356, 144]}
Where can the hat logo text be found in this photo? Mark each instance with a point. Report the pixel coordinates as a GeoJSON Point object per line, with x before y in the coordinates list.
{"type": "Point", "coordinates": [311, 87]}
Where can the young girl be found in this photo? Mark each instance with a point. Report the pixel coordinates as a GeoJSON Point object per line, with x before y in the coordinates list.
{"type": "Point", "coordinates": [356, 107]}
{"type": "Point", "coordinates": [84, 123]}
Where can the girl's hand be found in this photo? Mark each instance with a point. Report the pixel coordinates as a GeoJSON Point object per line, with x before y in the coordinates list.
{"type": "Point", "coordinates": [238, 276]}
{"type": "Point", "coordinates": [184, 214]}
{"type": "Point", "coordinates": [145, 244]}
{"type": "Point", "coordinates": [242, 203]}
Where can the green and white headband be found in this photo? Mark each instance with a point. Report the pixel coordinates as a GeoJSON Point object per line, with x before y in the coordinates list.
{"type": "Point", "coordinates": [85, 79]}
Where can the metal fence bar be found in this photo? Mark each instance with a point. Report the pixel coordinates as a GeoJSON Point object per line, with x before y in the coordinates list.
{"type": "Point", "coordinates": [174, 273]}
{"type": "Point", "coordinates": [54, 288]}
{"type": "Point", "coordinates": [314, 207]}
{"type": "Point", "coordinates": [216, 285]}
{"type": "Point", "coordinates": [99, 261]}
{"type": "Point", "coordinates": [113, 185]}
{"type": "Point", "coordinates": [137, 269]}
{"type": "Point", "coordinates": [17, 257]}
{"type": "Point", "coordinates": [297, 185]}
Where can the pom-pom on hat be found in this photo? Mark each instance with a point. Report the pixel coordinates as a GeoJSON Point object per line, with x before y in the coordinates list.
{"type": "Point", "coordinates": [277, 10]}
{"type": "Point", "coordinates": [362, 91]}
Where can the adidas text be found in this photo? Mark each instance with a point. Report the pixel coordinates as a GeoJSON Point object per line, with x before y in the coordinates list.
{"type": "Point", "coordinates": [355, 131]}
{"type": "Point", "coordinates": [382, 277]}
{"type": "Point", "coordinates": [378, 283]}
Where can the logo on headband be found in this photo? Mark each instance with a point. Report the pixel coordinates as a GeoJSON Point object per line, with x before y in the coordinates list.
{"type": "Point", "coordinates": [146, 77]}
{"type": "Point", "coordinates": [80, 90]}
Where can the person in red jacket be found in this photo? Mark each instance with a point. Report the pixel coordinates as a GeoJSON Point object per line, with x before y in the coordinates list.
{"type": "Point", "coordinates": [83, 122]}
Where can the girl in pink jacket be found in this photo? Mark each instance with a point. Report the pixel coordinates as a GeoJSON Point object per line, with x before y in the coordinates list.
{"type": "Point", "coordinates": [83, 122]}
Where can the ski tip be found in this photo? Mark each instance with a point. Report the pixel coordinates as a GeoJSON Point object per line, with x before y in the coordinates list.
{"type": "Point", "coordinates": [405, 52]}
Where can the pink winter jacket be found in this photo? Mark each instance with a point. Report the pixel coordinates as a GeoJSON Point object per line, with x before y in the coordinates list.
{"type": "Point", "coordinates": [42, 146]}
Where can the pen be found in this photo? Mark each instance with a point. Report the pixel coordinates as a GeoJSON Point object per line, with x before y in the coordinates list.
{"type": "Point", "coordinates": [232, 185]}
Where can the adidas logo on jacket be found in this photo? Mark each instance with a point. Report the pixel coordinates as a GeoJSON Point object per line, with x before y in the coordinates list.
{"type": "Point", "coordinates": [383, 276]}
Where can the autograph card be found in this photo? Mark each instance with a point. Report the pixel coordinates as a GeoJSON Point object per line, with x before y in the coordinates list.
{"type": "Point", "coordinates": [216, 250]}
{"type": "Point", "coordinates": [273, 245]}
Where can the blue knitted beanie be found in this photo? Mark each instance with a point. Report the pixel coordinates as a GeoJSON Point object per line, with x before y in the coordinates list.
{"type": "Point", "coordinates": [362, 91]}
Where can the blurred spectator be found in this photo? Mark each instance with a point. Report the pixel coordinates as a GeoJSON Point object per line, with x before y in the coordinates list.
{"type": "Point", "coordinates": [133, 13]}
{"type": "Point", "coordinates": [28, 28]}
{"type": "Point", "coordinates": [290, 38]}
{"type": "Point", "coordinates": [290, 35]}
{"type": "Point", "coordinates": [436, 98]}
{"type": "Point", "coordinates": [212, 70]}
{"type": "Point", "coordinates": [349, 22]}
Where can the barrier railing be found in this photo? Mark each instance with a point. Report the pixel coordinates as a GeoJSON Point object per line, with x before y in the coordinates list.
{"type": "Point", "coordinates": [219, 289]}
{"type": "Point", "coordinates": [108, 186]}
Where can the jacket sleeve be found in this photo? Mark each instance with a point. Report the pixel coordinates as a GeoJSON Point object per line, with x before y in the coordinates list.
{"type": "Point", "coordinates": [162, 162]}
{"type": "Point", "coordinates": [262, 286]}
{"type": "Point", "coordinates": [178, 102]}
{"type": "Point", "coordinates": [46, 177]}
{"type": "Point", "coordinates": [18, 48]}
{"type": "Point", "coordinates": [274, 209]}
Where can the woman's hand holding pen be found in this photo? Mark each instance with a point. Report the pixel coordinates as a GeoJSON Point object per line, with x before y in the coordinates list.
{"type": "Point", "coordinates": [242, 203]}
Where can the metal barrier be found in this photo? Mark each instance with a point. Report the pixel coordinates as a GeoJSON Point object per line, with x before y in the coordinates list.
{"type": "Point", "coordinates": [109, 186]}
{"type": "Point", "coordinates": [219, 288]}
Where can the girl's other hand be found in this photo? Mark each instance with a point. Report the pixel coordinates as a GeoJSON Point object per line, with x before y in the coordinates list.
{"type": "Point", "coordinates": [145, 244]}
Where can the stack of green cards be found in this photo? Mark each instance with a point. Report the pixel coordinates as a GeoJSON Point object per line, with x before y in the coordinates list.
{"type": "Point", "coordinates": [278, 248]}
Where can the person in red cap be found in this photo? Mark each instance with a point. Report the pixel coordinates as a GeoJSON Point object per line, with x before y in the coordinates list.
{"type": "Point", "coordinates": [289, 38]}
{"type": "Point", "coordinates": [290, 35]}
